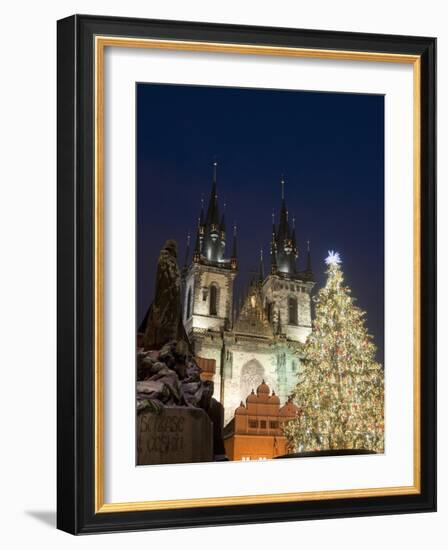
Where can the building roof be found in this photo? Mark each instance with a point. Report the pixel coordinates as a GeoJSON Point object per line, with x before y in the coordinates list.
{"type": "Point", "coordinates": [274, 398]}
{"type": "Point", "coordinates": [251, 398]}
{"type": "Point", "coordinates": [241, 409]}
{"type": "Point", "coordinates": [263, 409]}
{"type": "Point", "coordinates": [263, 389]}
{"type": "Point", "coordinates": [289, 409]}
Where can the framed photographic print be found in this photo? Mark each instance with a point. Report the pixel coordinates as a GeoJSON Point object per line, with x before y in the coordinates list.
{"type": "Point", "coordinates": [246, 274]}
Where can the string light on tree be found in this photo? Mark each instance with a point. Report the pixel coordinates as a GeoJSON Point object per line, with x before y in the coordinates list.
{"type": "Point", "coordinates": [340, 389]}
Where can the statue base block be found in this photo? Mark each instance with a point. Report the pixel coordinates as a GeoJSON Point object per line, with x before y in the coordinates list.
{"type": "Point", "coordinates": [175, 436]}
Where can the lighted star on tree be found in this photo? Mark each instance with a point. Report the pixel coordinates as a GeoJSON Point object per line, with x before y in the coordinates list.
{"type": "Point", "coordinates": [333, 258]}
{"type": "Point", "coordinates": [340, 390]}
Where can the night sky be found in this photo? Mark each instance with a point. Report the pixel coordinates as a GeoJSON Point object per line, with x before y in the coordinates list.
{"type": "Point", "coordinates": [329, 146]}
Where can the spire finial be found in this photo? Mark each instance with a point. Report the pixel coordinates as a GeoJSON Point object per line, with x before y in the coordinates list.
{"type": "Point", "coordinates": [215, 168]}
{"type": "Point", "coordinates": [308, 258]}
{"type": "Point", "coordinates": [282, 181]}
{"type": "Point", "coordinates": [233, 259]}
{"type": "Point", "coordinates": [261, 270]}
{"type": "Point", "coordinates": [201, 215]}
{"type": "Point", "coordinates": [293, 222]}
{"type": "Point", "coordinates": [273, 217]}
{"type": "Point", "coordinates": [187, 250]}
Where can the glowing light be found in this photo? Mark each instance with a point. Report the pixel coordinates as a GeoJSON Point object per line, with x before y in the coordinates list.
{"type": "Point", "coordinates": [341, 387]}
{"type": "Point", "coordinates": [333, 258]}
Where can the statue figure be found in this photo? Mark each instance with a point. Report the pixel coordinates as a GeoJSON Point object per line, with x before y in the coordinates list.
{"type": "Point", "coordinates": [164, 322]}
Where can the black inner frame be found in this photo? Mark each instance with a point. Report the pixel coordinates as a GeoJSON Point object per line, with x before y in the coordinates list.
{"type": "Point", "coordinates": [75, 299]}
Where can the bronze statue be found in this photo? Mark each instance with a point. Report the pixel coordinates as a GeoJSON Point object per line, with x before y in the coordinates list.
{"type": "Point", "coordinates": [164, 322]}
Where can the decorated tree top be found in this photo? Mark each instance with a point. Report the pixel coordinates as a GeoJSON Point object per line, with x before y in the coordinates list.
{"type": "Point", "coordinates": [333, 258]}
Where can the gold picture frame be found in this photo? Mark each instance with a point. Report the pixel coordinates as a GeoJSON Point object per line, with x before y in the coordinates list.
{"type": "Point", "coordinates": [100, 40]}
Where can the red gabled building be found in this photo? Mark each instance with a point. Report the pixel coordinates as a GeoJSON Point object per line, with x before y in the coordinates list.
{"type": "Point", "coordinates": [255, 432]}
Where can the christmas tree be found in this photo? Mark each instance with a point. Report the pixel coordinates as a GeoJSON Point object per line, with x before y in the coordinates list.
{"type": "Point", "coordinates": [340, 390]}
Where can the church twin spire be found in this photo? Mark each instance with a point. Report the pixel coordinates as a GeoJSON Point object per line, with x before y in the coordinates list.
{"type": "Point", "coordinates": [284, 249]}
{"type": "Point", "coordinates": [210, 243]}
{"type": "Point", "coordinates": [284, 252]}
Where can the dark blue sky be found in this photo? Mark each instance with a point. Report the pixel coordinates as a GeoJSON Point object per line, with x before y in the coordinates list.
{"type": "Point", "coordinates": [329, 146]}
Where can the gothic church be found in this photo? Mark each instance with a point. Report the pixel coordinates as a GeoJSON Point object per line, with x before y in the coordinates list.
{"type": "Point", "coordinates": [261, 338]}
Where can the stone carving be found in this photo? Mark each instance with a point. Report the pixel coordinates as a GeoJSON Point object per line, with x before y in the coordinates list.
{"type": "Point", "coordinates": [176, 435]}
{"type": "Point", "coordinates": [170, 380]}
{"type": "Point", "coordinates": [252, 318]}
{"type": "Point", "coordinates": [252, 375]}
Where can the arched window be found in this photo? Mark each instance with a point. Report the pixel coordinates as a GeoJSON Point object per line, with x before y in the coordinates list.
{"type": "Point", "coordinates": [189, 303]}
{"type": "Point", "coordinates": [270, 311]}
{"type": "Point", "coordinates": [292, 310]}
{"type": "Point", "coordinates": [213, 300]}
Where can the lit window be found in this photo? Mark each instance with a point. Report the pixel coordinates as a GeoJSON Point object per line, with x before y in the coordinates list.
{"type": "Point", "coordinates": [292, 310]}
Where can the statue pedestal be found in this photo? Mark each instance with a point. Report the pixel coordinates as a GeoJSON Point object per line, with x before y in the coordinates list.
{"type": "Point", "coordinates": [177, 435]}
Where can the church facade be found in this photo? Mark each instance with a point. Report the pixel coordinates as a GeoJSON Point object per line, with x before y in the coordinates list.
{"type": "Point", "coordinates": [261, 338]}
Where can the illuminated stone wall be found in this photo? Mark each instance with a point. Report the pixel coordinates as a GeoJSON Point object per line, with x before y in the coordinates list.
{"type": "Point", "coordinates": [251, 350]}
{"type": "Point", "coordinates": [198, 282]}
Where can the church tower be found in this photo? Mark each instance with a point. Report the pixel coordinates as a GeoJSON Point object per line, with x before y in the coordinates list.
{"type": "Point", "coordinates": [286, 290]}
{"type": "Point", "coordinates": [209, 277]}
